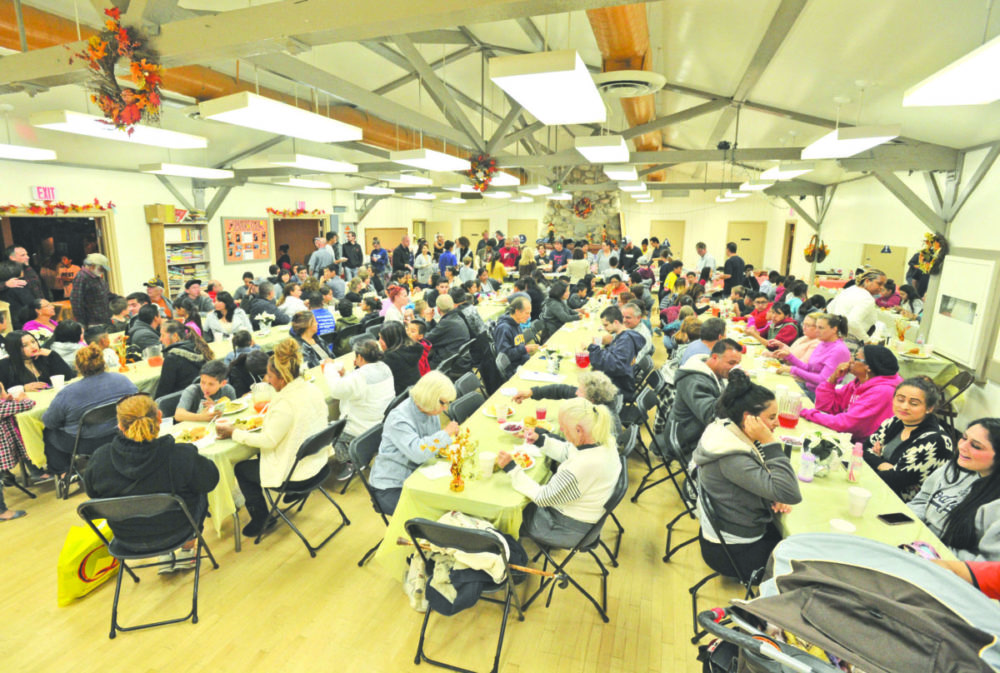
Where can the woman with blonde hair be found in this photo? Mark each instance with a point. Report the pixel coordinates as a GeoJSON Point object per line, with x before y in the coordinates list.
{"type": "Point", "coordinates": [297, 411]}
{"type": "Point", "coordinates": [563, 510]}
{"type": "Point", "coordinates": [412, 434]}
{"type": "Point", "coordinates": [138, 461]}
{"type": "Point", "coordinates": [528, 263]}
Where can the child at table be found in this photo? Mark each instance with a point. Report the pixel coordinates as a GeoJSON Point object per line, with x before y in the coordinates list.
{"type": "Point", "coordinates": [198, 401]}
{"type": "Point", "coordinates": [11, 444]}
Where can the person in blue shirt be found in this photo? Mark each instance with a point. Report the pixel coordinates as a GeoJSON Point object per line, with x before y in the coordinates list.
{"type": "Point", "coordinates": [325, 322]}
{"type": "Point", "coordinates": [379, 258]}
{"type": "Point", "coordinates": [447, 258]}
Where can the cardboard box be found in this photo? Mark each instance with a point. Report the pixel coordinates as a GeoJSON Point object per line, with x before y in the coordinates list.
{"type": "Point", "coordinates": [160, 213]}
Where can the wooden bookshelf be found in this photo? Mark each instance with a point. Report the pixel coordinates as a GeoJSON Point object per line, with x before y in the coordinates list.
{"type": "Point", "coordinates": [180, 252]}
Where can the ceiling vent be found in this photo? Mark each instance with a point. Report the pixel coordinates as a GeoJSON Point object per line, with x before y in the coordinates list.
{"type": "Point", "coordinates": [629, 83]}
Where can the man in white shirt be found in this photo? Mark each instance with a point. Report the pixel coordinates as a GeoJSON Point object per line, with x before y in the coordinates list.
{"type": "Point", "coordinates": [857, 303]}
{"type": "Point", "coordinates": [704, 259]}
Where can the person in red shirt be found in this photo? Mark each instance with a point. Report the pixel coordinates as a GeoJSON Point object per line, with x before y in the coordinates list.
{"type": "Point", "coordinates": [781, 328]}
{"type": "Point", "coordinates": [509, 255]}
{"type": "Point", "coordinates": [759, 316]}
{"type": "Point", "coordinates": [984, 575]}
{"type": "Point", "coordinates": [415, 329]}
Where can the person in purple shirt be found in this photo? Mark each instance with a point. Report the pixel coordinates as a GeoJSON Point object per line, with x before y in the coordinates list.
{"type": "Point", "coordinates": [559, 256]}
{"type": "Point", "coordinates": [447, 258]}
{"type": "Point", "coordinates": [829, 354]}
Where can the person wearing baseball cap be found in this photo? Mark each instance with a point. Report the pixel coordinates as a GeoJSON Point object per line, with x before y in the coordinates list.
{"type": "Point", "coordinates": [154, 288]}
{"type": "Point", "coordinates": [90, 297]}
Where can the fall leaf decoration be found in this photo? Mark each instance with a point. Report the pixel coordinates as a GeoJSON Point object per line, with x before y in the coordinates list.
{"type": "Point", "coordinates": [482, 171]}
{"type": "Point", "coordinates": [816, 250]}
{"type": "Point", "coordinates": [55, 208]}
{"type": "Point", "coordinates": [123, 107]}
{"type": "Point", "coordinates": [932, 254]}
{"type": "Point", "coordinates": [583, 208]}
{"type": "Point", "coordinates": [299, 212]}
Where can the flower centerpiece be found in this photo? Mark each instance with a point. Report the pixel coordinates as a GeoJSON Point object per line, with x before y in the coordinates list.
{"type": "Point", "coordinates": [458, 453]}
{"type": "Point", "coordinates": [932, 254]}
{"type": "Point", "coordinates": [265, 320]}
{"type": "Point", "coordinates": [816, 250]}
{"type": "Point", "coordinates": [481, 172]}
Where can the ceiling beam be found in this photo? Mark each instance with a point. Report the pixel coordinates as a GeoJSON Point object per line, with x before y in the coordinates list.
{"type": "Point", "coordinates": [436, 37]}
{"type": "Point", "coordinates": [667, 157]}
{"type": "Point", "coordinates": [912, 202]}
{"type": "Point", "coordinates": [256, 149]}
{"type": "Point", "coordinates": [977, 177]}
{"type": "Point", "coordinates": [914, 156]}
{"type": "Point", "coordinates": [676, 117]}
{"type": "Point", "coordinates": [176, 192]}
{"type": "Point", "coordinates": [505, 123]}
{"type": "Point", "coordinates": [795, 188]}
{"type": "Point", "coordinates": [797, 207]}
{"type": "Point", "coordinates": [383, 51]}
{"type": "Point", "coordinates": [532, 32]}
{"type": "Point", "coordinates": [216, 202]}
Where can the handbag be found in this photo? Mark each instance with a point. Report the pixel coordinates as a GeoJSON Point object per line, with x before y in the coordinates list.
{"type": "Point", "coordinates": [84, 563]}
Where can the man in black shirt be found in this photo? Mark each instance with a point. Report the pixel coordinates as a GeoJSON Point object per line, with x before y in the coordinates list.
{"type": "Point", "coordinates": [402, 258]}
{"type": "Point", "coordinates": [628, 259]}
{"type": "Point", "coordinates": [732, 270]}
{"type": "Point", "coordinates": [353, 255]}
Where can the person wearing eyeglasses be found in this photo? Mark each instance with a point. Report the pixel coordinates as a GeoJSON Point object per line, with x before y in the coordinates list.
{"type": "Point", "coordinates": [411, 435]}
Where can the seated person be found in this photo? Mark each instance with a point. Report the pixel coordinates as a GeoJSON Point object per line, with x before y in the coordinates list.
{"type": "Point", "coordinates": [303, 331]}
{"type": "Point", "coordinates": [960, 501]}
{"type": "Point", "coordinates": [555, 311]}
{"type": "Point", "coordinates": [742, 468]}
{"type": "Point", "coordinates": [371, 306]}
{"type": "Point", "coordinates": [62, 418]}
{"type": "Point", "coordinates": [247, 369]}
{"type": "Point", "coordinates": [12, 450]}
{"type": "Point", "coordinates": [858, 407]}
{"type": "Point", "coordinates": [984, 575]}
{"type": "Point", "coordinates": [263, 302]}
{"type": "Point", "coordinates": [138, 461]}
{"type": "Point", "coordinates": [595, 387]}
{"type": "Point", "coordinates": [326, 324]}
{"type": "Point", "coordinates": [143, 332]}
{"type": "Point", "coordinates": [401, 354]}
{"type": "Point", "coordinates": [617, 352]}
{"type": "Point", "coordinates": [416, 329]}
{"type": "Point", "coordinates": [887, 296]}
{"type": "Point", "coordinates": [781, 327]}
{"type": "Point", "coordinates": [120, 317]}
{"type": "Point", "coordinates": [508, 336]}
{"type": "Point", "coordinates": [184, 354]}
{"type": "Point", "coordinates": [66, 341]}
{"type": "Point", "coordinates": [712, 330]}
{"type": "Point", "coordinates": [98, 334]}
{"type": "Point", "coordinates": [911, 444]}
{"type": "Point", "coordinates": [198, 402]}
{"type": "Point", "coordinates": [40, 317]}
{"type": "Point", "coordinates": [563, 510]}
{"type": "Point", "coordinates": [449, 334]}
{"type": "Point", "coordinates": [757, 317]}
{"type": "Point", "coordinates": [364, 394]}
{"type": "Point", "coordinates": [803, 347]}
{"type": "Point", "coordinates": [296, 412]}
{"type": "Point", "coordinates": [227, 318]}
{"type": "Point", "coordinates": [29, 365]}
{"type": "Point", "coordinates": [411, 436]}
{"type": "Point", "coordinates": [826, 357]}
{"type": "Point", "coordinates": [242, 342]}
{"type": "Point", "coordinates": [345, 310]}
{"type": "Point", "coordinates": [581, 292]}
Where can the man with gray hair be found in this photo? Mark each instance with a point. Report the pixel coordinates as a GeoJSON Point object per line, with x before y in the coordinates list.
{"type": "Point", "coordinates": [90, 297]}
{"type": "Point", "coordinates": [705, 260]}
{"type": "Point", "coordinates": [632, 317]}
{"type": "Point", "coordinates": [364, 393]}
{"type": "Point", "coordinates": [507, 334]}
{"type": "Point", "coordinates": [594, 387]}
{"type": "Point", "coordinates": [321, 258]}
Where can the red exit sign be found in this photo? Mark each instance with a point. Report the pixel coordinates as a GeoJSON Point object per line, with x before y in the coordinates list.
{"type": "Point", "coordinates": [43, 193]}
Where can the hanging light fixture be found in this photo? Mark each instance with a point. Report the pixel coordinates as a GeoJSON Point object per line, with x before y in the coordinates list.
{"type": "Point", "coordinates": [560, 196]}
{"type": "Point", "coordinates": [755, 185]}
{"type": "Point", "coordinates": [186, 171]}
{"type": "Point", "coordinates": [504, 179]}
{"type": "Point", "coordinates": [25, 153]}
{"type": "Point", "coordinates": [453, 199]}
{"type": "Point", "coordinates": [632, 186]}
{"type": "Point", "coordinates": [406, 179]}
{"type": "Point", "coordinates": [69, 121]}
{"type": "Point", "coordinates": [554, 86]}
{"type": "Point", "coordinates": [311, 163]}
{"type": "Point", "coordinates": [621, 172]}
{"type": "Point", "coordinates": [522, 199]}
{"type": "Point", "coordinates": [462, 188]}
{"type": "Point", "coordinates": [602, 149]}
{"type": "Point", "coordinates": [846, 142]}
{"type": "Point", "coordinates": [535, 189]}
{"type": "Point", "coordinates": [301, 182]}
{"type": "Point", "coordinates": [496, 194]}
{"type": "Point", "coordinates": [971, 80]}
{"type": "Point", "coordinates": [266, 114]}
{"type": "Point", "coordinates": [375, 190]}
{"type": "Point", "coordinates": [787, 171]}
{"type": "Point", "coordinates": [420, 196]}
{"type": "Point", "coordinates": [430, 160]}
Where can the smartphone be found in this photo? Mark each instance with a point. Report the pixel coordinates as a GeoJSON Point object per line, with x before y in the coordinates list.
{"type": "Point", "coordinates": [895, 519]}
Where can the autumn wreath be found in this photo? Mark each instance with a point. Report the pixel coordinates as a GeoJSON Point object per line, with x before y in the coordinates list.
{"type": "Point", "coordinates": [932, 254]}
{"type": "Point", "coordinates": [481, 172]}
{"type": "Point", "coordinates": [583, 208]}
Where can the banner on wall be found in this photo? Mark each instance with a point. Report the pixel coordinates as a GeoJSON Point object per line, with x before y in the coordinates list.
{"type": "Point", "coordinates": [247, 239]}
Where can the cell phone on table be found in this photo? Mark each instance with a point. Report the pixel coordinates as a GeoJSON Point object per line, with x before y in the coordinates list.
{"type": "Point", "coordinates": [895, 519]}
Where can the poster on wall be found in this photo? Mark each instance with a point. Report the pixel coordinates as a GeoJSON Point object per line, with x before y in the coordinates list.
{"type": "Point", "coordinates": [247, 239]}
{"type": "Point", "coordinates": [959, 323]}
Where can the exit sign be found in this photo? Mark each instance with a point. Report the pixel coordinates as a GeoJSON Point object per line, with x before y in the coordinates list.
{"type": "Point", "coordinates": [43, 193]}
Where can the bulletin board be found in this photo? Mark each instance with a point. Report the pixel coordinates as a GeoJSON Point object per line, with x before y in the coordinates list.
{"type": "Point", "coordinates": [246, 239]}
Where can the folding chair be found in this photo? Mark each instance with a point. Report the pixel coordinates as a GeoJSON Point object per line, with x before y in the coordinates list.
{"type": "Point", "coordinates": [93, 416]}
{"type": "Point", "coordinates": [642, 368]}
{"type": "Point", "coordinates": [397, 400]}
{"type": "Point", "coordinates": [300, 491]}
{"type": "Point", "coordinates": [25, 477]}
{"type": "Point", "coordinates": [344, 336]}
{"type": "Point", "coordinates": [587, 544]}
{"type": "Point", "coordinates": [117, 510]}
{"type": "Point", "coordinates": [446, 365]}
{"type": "Point", "coordinates": [468, 383]}
{"type": "Point", "coordinates": [471, 541]}
{"type": "Point", "coordinates": [961, 382]}
{"type": "Point", "coordinates": [688, 494]}
{"type": "Point", "coordinates": [464, 353]}
{"type": "Point", "coordinates": [733, 570]}
{"type": "Point", "coordinates": [465, 406]}
{"type": "Point", "coordinates": [358, 338]}
{"type": "Point", "coordinates": [504, 366]}
{"type": "Point", "coordinates": [371, 332]}
{"type": "Point", "coordinates": [637, 413]}
{"type": "Point", "coordinates": [625, 448]}
{"type": "Point", "coordinates": [362, 450]}
{"type": "Point", "coordinates": [168, 403]}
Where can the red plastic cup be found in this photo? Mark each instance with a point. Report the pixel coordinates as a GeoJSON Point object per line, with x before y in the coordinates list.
{"type": "Point", "coordinates": [583, 359]}
{"type": "Point", "coordinates": [540, 413]}
{"type": "Point", "coordinates": [788, 420]}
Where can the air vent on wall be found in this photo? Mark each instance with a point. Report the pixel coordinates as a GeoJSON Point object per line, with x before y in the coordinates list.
{"type": "Point", "coordinates": [629, 83]}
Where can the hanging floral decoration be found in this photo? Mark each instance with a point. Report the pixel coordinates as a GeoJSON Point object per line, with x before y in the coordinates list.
{"type": "Point", "coordinates": [55, 208]}
{"type": "Point", "coordinates": [932, 254]}
{"type": "Point", "coordinates": [583, 208]}
{"type": "Point", "coordinates": [299, 212]}
{"type": "Point", "coordinates": [482, 171]}
{"type": "Point", "coordinates": [123, 107]}
{"type": "Point", "coordinates": [816, 250]}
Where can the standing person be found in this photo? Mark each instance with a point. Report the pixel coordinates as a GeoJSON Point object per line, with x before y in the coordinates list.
{"type": "Point", "coordinates": [336, 249]}
{"type": "Point", "coordinates": [154, 290]}
{"type": "Point", "coordinates": [402, 256]}
{"type": "Point", "coordinates": [34, 284]}
{"type": "Point", "coordinates": [915, 277]}
{"type": "Point", "coordinates": [65, 273]}
{"type": "Point", "coordinates": [857, 303]}
{"type": "Point", "coordinates": [559, 257]}
{"type": "Point", "coordinates": [284, 261]}
{"type": "Point", "coordinates": [481, 245]}
{"type": "Point", "coordinates": [463, 248]}
{"type": "Point", "coordinates": [510, 255]}
{"type": "Point", "coordinates": [379, 260]}
{"type": "Point", "coordinates": [438, 246]}
{"type": "Point", "coordinates": [617, 352]}
{"type": "Point", "coordinates": [629, 257]}
{"type": "Point", "coordinates": [447, 259]}
{"type": "Point", "coordinates": [90, 292]}
{"type": "Point", "coordinates": [732, 270]}
{"type": "Point", "coordinates": [827, 356]}
{"type": "Point", "coordinates": [320, 258]}
{"type": "Point", "coordinates": [354, 256]}
{"type": "Point", "coordinates": [705, 260]}
{"type": "Point", "coordinates": [424, 265]}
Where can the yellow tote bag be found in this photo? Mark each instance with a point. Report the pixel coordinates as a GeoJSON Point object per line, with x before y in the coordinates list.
{"type": "Point", "coordinates": [84, 563]}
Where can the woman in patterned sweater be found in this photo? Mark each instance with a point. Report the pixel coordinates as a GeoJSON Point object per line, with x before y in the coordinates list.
{"type": "Point", "coordinates": [911, 444]}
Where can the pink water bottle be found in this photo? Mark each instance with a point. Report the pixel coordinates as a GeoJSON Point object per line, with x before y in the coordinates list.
{"type": "Point", "coordinates": [854, 468]}
{"type": "Point", "coordinates": [807, 466]}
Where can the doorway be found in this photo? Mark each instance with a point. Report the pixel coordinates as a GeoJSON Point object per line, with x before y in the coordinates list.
{"type": "Point", "coordinates": [298, 234]}
{"type": "Point", "coordinates": [389, 237]}
{"type": "Point", "coordinates": [786, 247]}
{"type": "Point", "coordinates": [749, 239]}
{"type": "Point", "coordinates": [672, 231]}
{"type": "Point", "coordinates": [419, 230]}
{"type": "Point", "coordinates": [893, 263]}
{"type": "Point", "coordinates": [473, 230]}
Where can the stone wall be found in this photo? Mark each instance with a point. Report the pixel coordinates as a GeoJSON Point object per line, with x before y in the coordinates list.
{"type": "Point", "coordinates": [606, 213]}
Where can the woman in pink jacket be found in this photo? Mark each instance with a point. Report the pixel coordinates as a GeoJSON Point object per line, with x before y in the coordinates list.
{"type": "Point", "coordinates": [860, 406]}
{"type": "Point", "coordinates": [829, 354]}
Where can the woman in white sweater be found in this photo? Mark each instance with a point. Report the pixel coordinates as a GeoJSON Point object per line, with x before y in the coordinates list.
{"type": "Point", "coordinates": [296, 412]}
{"type": "Point", "coordinates": [291, 300]}
{"type": "Point", "coordinates": [564, 509]}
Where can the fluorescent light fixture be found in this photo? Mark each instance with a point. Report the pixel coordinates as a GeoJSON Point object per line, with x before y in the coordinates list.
{"type": "Point", "coordinates": [560, 196]}
{"type": "Point", "coordinates": [755, 185]}
{"type": "Point", "coordinates": [462, 188]}
{"type": "Point", "coordinates": [266, 114]}
{"type": "Point", "coordinates": [420, 196]}
{"type": "Point", "coordinates": [535, 189]}
{"type": "Point", "coordinates": [317, 164]}
{"type": "Point", "coordinates": [186, 171]}
{"type": "Point", "coordinates": [523, 199]}
{"type": "Point", "coordinates": [724, 199]}
{"type": "Point", "coordinates": [621, 172]}
{"type": "Point", "coordinates": [846, 142]}
{"type": "Point", "coordinates": [454, 199]}
{"type": "Point", "coordinates": [787, 171]}
{"type": "Point", "coordinates": [89, 125]}
{"type": "Point", "coordinates": [602, 149]}
{"type": "Point", "coordinates": [736, 195]}
{"type": "Point", "coordinates": [632, 186]}
{"type": "Point", "coordinates": [503, 179]}
{"type": "Point", "coordinates": [25, 153]}
{"type": "Point", "coordinates": [646, 200]}
{"type": "Point", "coordinates": [300, 182]}
{"type": "Point", "coordinates": [554, 86]}
{"type": "Point", "coordinates": [406, 179]}
{"type": "Point", "coordinates": [430, 160]}
{"type": "Point", "coordinates": [375, 190]}
{"type": "Point", "coordinates": [971, 80]}
{"type": "Point", "coordinates": [490, 194]}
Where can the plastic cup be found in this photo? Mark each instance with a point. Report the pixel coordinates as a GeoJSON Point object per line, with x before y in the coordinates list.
{"type": "Point", "coordinates": [15, 390]}
{"type": "Point", "coordinates": [857, 500]}
{"type": "Point", "coordinates": [928, 350]}
{"type": "Point", "coordinates": [501, 412]}
{"type": "Point", "coordinates": [841, 526]}
{"type": "Point", "coordinates": [58, 381]}
{"type": "Point", "coordinates": [487, 459]}
{"type": "Point", "coordinates": [540, 412]}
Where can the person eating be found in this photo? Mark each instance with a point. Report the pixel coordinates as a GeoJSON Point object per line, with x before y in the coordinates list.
{"type": "Point", "coordinates": [595, 387]}
{"type": "Point", "coordinates": [781, 327]}
{"type": "Point", "coordinates": [826, 357]}
{"type": "Point", "coordinates": [203, 400]}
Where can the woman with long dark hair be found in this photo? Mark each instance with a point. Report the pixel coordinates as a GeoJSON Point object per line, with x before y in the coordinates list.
{"type": "Point", "coordinates": [960, 501]}
{"type": "Point", "coordinates": [911, 305]}
{"type": "Point", "coordinates": [29, 365]}
{"type": "Point", "coordinates": [66, 340]}
{"type": "Point", "coordinates": [184, 354]}
{"type": "Point", "coordinates": [186, 313]}
{"type": "Point", "coordinates": [402, 354]}
{"type": "Point", "coordinates": [227, 317]}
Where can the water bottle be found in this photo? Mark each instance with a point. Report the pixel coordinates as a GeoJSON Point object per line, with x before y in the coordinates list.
{"type": "Point", "coordinates": [854, 468]}
{"type": "Point", "coordinates": [807, 466]}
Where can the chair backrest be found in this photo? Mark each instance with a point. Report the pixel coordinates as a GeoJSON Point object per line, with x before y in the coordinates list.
{"type": "Point", "coordinates": [168, 403]}
{"type": "Point", "coordinates": [643, 366]}
{"type": "Point", "coordinates": [503, 364]}
{"type": "Point", "coordinates": [617, 494]}
{"type": "Point", "coordinates": [707, 508]}
{"type": "Point", "coordinates": [133, 507]}
{"type": "Point", "coordinates": [655, 381]}
{"type": "Point", "coordinates": [358, 338]}
{"type": "Point", "coordinates": [469, 540]}
{"type": "Point", "coordinates": [465, 406]}
{"type": "Point", "coordinates": [445, 365]}
{"type": "Point", "coordinates": [363, 448]}
{"type": "Point", "coordinates": [397, 400]}
{"type": "Point", "coordinates": [629, 440]}
{"type": "Point", "coordinates": [464, 349]}
{"type": "Point", "coordinates": [350, 331]}
{"type": "Point", "coordinates": [646, 402]}
{"type": "Point", "coordinates": [467, 383]}
{"type": "Point", "coordinates": [100, 415]}
{"type": "Point", "coordinates": [319, 441]}
{"type": "Point", "coordinates": [960, 382]}
{"type": "Point", "coordinates": [372, 331]}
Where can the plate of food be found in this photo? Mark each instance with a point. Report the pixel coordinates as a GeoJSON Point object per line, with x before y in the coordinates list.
{"type": "Point", "coordinates": [749, 341]}
{"type": "Point", "coordinates": [532, 422]}
{"type": "Point", "coordinates": [770, 362]}
{"type": "Point", "coordinates": [252, 424]}
{"type": "Point", "coordinates": [512, 427]}
{"type": "Point", "coordinates": [490, 410]}
{"type": "Point", "coordinates": [791, 441]}
{"type": "Point", "coordinates": [915, 354]}
{"type": "Point", "coordinates": [523, 460]}
{"type": "Point", "coordinates": [192, 435]}
{"type": "Point", "coordinates": [230, 407]}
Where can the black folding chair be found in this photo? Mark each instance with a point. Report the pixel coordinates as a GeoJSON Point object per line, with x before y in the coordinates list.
{"type": "Point", "coordinates": [626, 447]}
{"type": "Point", "coordinates": [168, 403]}
{"type": "Point", "coordinates": [372, 331]}
{"type": "Point", "coordinates": [642, 368]}
{"type": "Point", "coordinates": [465, 406]}
{"type": "Point", "coordinates": [345, 336]}
{"type": "Point", "coordinates": [688, 494]}
{"type": "Point", "coordinates": [637, 413]}
{"type": "Point", "coordinates": [468, 383]}
{"type": "Point", "coordinates": [471, 541]}
{"type": "Point", "coordinates": [397, 400]}
{"type": "Point", "coordinates": [91, 417]}
{"type": "Point", "coordinates": [950, 392]}
{"type": "Point", "coordinates": [446, 365]}
{"type": "Point", "coordinates": [118, 510]}
{"type": "Point", "coordinates": [299, 491]}
{"type": "Point", "coordinates": [588, 543]}
{"type": "Point", "coordinates": [464, 354]}
{"type": "Point", "coordinates": [362, 450]}
{"type": "Point", "coordinates": [733, 570]}
{"type": "Point", "coordinates": [504, 366]}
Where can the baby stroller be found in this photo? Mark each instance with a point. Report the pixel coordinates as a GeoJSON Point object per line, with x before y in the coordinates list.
{"type": "Point", "coordinates": [849, 601]}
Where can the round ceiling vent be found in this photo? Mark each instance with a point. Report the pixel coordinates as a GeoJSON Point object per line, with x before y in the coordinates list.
{"type": "Point", "coordinates": [629, 83]}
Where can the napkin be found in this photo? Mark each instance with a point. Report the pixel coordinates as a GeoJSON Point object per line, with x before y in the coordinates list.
{"type": "Point", "coordinates": [529, 375]}
{"type": "Point", "coordinates": [206, 441]}
{"type": "Point", "coordinates": [437, 470]}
